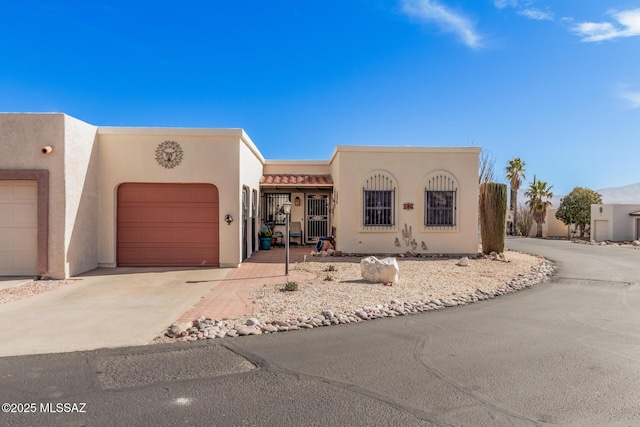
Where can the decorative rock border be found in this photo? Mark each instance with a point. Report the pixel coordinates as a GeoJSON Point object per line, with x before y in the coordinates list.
{"type": "Point", "coordinates": [204, 328]}
{"type": "Point", "coordinates": [635, 244]}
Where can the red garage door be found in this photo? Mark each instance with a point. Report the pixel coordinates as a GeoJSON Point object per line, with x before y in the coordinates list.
{"type": "Point", "coordinates": [168, 225]}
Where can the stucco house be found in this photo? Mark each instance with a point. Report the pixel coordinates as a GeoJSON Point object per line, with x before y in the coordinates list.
{"type": "Point", "coordinates": [615, 222]}
{"type": "Point", "coordinates": [74, 197]}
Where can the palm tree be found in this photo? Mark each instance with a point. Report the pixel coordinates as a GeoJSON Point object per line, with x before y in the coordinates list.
{"type": "Point", "coordinates": [515, 174]}
{"type": "Point", "coordinates": [539, 195]}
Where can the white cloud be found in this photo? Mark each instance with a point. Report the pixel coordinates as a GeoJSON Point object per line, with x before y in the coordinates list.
{"type": "Point", "coordinates": [632, 97]}
{"type": "Point", "coordinates": [446, 19]}
{"type": "Point", "coordinates": [628, 25]}
{"type": "Point", "coordinates": [536, 14]}
{"type": "Point", "coordinates": [501, 4]}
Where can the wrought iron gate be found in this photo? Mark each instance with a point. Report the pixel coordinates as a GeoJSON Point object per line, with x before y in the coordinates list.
{"type": "Point", "coordinates": [317, 217]}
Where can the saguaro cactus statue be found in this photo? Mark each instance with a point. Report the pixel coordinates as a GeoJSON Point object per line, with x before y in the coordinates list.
{"type": "Point", "coordinates": [493, 215]}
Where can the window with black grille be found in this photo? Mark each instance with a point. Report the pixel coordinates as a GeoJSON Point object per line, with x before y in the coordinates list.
{"type": "Point", "coordinates": [440, 201]}
{"type": "Point", "coordinates": [379, 201]}
{"type": "Point", "coordinates": [273, 203]}
{"type": "Point", "coordinates": [440, 208]}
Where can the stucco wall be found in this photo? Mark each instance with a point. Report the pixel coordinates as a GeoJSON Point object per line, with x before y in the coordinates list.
{"type": "Point", "coordinates": [311, 167]}
{"type": "Point", "coordinates": [620, 226]}
{"type": "Point", "coordinates": [251, 162]}
{"type": "Point", "coordinates": [23, 136]}
{"type": "Point", "coordinates": [554, 227]}
{"type": "Point", "coordinates": [210, 156]}
{"type": "Point", "coordinates": [81, 189]}
{"type": "Point", "coordinates": [409, 167]}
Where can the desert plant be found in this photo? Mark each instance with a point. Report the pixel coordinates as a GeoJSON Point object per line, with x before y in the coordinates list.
{"type": "Point", "coordinates": [525, 221]}
{"type": "Point", "coordinates": [291, 286]}
{"type": "Point", "coordinates": [331, 267]}
{"type": "Point", "coordinates": [493, 215]}
{"type": "Point", "coordinates": [328, 278]}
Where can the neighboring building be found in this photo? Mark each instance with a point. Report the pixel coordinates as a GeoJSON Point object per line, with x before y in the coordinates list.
{"type": "Point", "coordinates": [615, 222]}
{"type": "Point", "coordinates": [75, 196]}
{"type": "Point", "coordinates": [552, 226]}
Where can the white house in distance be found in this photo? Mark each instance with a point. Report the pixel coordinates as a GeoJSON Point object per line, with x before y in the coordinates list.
{"type": "Point", "coordinates": [74, 197]}
{"type": "Point", "coordinates": [615, 222]}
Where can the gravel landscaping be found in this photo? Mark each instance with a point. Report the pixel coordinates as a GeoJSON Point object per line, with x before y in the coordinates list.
{"type": "Point", "coordinates": [30, 288]}
{"type": "Point", "coordinates": [338, 295]}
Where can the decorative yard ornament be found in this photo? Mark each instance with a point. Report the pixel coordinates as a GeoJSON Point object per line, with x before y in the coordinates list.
{"type": "Point", "coordinates": [169, 154]}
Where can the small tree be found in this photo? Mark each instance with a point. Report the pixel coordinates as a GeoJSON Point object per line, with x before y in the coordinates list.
{"type": "Point", "coordinates": [486, 165]}
{"type": "Point", "coordinates": [525, 221]}
{"type": "Point", "coordinates": [493, 215]}
{"type": "Point", "coordinates": [539, 195]}
{"type": "Point", "coordinates": [575, 208]}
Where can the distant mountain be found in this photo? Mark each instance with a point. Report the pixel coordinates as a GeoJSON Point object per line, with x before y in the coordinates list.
{"type": "Point", "coordinates": [627, 194]}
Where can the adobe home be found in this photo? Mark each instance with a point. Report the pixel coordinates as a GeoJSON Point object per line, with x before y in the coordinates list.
{"type": "Point", "coordinates": [74, 197]}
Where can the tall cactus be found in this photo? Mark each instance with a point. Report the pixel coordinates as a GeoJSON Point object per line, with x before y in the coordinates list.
{"type": "Point", "coordinates": [493, 215]}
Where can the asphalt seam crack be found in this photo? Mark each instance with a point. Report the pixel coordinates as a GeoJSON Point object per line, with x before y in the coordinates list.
{"type": "Point", "coordinates": [403, 406]}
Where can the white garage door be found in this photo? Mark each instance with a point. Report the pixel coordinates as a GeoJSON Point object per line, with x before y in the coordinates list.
{"type": "Point", "coordinates": [18, 228]}
{"type": "Point", "coordinates": [602, 231]}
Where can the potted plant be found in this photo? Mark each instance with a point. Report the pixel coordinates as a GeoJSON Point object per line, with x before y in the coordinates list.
{"type": "Point", "coordinates": [265, 236]}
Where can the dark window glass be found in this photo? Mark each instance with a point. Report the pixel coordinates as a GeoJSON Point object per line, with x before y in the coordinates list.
{"type": "Point", "coordinates": [378, 207]}
{"type": "Point", "coordinates": [440, 208]}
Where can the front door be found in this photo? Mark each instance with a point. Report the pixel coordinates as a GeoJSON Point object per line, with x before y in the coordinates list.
{"type": "Point", "coordinates": [317, 217]}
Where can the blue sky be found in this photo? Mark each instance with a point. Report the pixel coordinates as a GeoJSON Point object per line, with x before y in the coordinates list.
{"type": "Point", "coordinates": [555, 83]}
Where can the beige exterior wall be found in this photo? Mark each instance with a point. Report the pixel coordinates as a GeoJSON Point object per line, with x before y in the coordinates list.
{"type": "Point", "coordinates": [251, 162]}
{"type": "Point", "coordinates": [554, 227]}
{"type": "Point", "coordinates": [81, 194]}
{"type": "Point", "coordinates": [210, 156]}
{"type": "Point", "coordinates": [409, 167]}
{"type": "Point", "coordinates": [311, 167]}
{"type": "Point", "coordinates": [613, 222]}
{"type": "Point", "coordinates": [72, 182]}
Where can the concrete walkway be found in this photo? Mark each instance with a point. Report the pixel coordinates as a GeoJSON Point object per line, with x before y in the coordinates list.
{"type": "Point", "coordinates": [231, 298]}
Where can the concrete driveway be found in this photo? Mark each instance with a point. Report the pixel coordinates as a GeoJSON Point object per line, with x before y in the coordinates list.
{"type": "Point", "coordinates": [105, 308]}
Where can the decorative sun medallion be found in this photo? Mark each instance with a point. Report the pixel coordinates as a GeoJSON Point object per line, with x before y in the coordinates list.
{"type": "Point", "coordinates": [169, 154]}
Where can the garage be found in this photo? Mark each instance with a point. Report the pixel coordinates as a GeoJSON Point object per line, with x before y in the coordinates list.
{"type": "Point", "coordinates": [18, 228]}
{"type": "Point", "coordinates": [167, 225]}
{"type": "Point", "coordinates": [602, 230]}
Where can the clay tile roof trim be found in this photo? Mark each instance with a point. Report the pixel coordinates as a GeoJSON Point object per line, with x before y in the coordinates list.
{"type": "Point", "coordinates": [315, 180]}
{"type": "Point", "coordinates": [635, 213]}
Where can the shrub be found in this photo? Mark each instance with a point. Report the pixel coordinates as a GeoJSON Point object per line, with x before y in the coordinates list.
{"type": "Point", "coordinates": [291, 286]}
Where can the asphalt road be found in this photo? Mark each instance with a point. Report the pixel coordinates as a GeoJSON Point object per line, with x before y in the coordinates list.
{"type": "Point", "coordinates": [566, 352]}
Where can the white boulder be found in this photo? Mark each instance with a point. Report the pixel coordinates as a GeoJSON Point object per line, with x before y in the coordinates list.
{"type": "Point", "coordinates": [463, 262]}
{"type": "Point", "coordinates": [379, 270]}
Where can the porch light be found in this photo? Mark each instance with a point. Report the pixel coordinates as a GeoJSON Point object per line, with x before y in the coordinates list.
{"type": "Point", "coordinates": [297, 201]}
{"type": "Point", "coordinates": [286, 207]}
